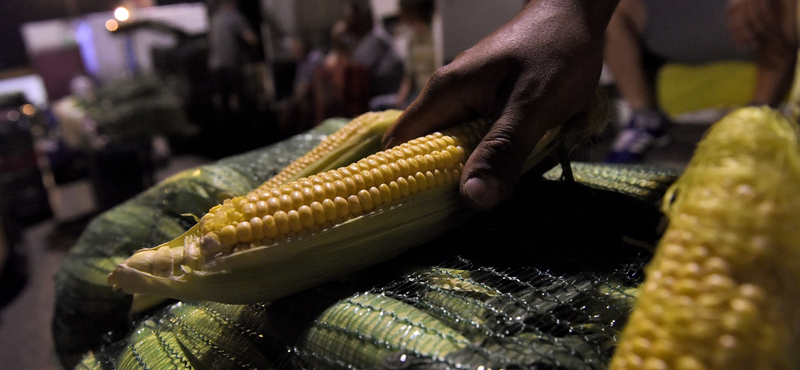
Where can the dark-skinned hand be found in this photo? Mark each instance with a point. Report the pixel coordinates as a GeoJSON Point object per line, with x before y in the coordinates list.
{"type": "Point", "coordinates": [530, 75]}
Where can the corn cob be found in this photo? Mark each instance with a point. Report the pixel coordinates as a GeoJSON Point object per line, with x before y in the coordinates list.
{"type": "Point", "coordinates": [337, 195]}
{"type": "Point", "coordinates": [723, 287]}
{"type": "Point", "coordinates": [294, 217]}
{"type": "Point", "coordinates": [364, 330]}
{"type": "Point", "coordinates": [190, 335]}
{"type": "Point", "coordinates": [455, 299]}
{"type": "Point", "coordinates": [643, 182]}
{"type": "Point", "coordinates": [296, 235]}
{"type": "Point", "coordinates": [359, 138]}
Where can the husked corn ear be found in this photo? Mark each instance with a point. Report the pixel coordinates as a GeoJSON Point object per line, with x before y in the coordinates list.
{"type": "Point", "coordinates": [302, 209]}
{"type": "Point", "coordinates": [363, 134]}
{"type": "Point", "coordinates": [723, 289]}
{"type": "Point", "coordinates": [326, 199]}
{"type": "Point", "coordinates": [279, 240]}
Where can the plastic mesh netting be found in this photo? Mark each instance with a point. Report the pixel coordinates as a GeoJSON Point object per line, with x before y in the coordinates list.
{"type": "Point", "coordinates": [460, 316]}
{"type": "Point", "coordinates": [545, 281]}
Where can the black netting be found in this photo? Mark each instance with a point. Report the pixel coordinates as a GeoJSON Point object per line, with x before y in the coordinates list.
{"type": "Point", "coordinates": [466, 316]}
{"type": "Point", "coordinates": [457, 315]}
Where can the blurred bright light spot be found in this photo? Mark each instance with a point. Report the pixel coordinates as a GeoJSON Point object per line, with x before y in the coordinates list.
{"type": "Point", "coordinates": [28, 109]}
{"type": "Point", "coordinates": [121, 14]}
{"type": "Point", "coordinates": [13, 116]}
{"type": "Point", "coordinates": [112, 25]}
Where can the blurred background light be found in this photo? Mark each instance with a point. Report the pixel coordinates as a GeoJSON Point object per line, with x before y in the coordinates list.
{"type": "Point", "coordinates": [112, 25]}
{"type": "Point", "coordinates": [28, 109]}
{"type": "Point", "coordinates": [12, 116]}
{"type": "Point", "coordinates": [121, 14]}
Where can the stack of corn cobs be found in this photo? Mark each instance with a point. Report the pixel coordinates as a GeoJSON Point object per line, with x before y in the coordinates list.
{"type": "Point", "coordinates": [719, 293]}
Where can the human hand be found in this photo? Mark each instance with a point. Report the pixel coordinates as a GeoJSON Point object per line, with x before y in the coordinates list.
{"type": "Point", "coordinates": [753, 22]}
{"type": "Point", "coordinates": [531, 75]}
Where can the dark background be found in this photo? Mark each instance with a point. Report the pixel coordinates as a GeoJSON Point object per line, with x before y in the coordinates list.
{"type": "Point", "coordinates": [13, 13]}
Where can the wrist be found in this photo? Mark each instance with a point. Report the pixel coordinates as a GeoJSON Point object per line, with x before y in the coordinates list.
{"type": "Point", "coordinates": [593, 14]}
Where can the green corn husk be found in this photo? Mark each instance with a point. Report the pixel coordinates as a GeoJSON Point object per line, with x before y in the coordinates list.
{"type": "Point", "coordinates": [640, 181]}
{"type": "Point", "coordinates": [190, 335]}
{"type": "Point", "coordinates": [136, 109]}
{"type": "Point", "coordinates": [455, 299]}
{"type": "Point", "coordinates": [534, 227]}
{"type": "Point", "coordinates": [365, 329]}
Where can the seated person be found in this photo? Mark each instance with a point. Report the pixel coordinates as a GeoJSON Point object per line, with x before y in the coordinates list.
{"type": "Point", "coordinates": [643, 34]}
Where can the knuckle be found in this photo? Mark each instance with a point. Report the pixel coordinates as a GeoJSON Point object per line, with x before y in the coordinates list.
{"type": "Point", "coordinates": [502, 150]}
{"type": "Point", "coordinates": [441, 78]}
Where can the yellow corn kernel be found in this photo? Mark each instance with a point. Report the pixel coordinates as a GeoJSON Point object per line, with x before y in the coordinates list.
{"type": "Point", "coordinates": [257, 225]}
{"type": "Point", "coordinates": [270, 226]}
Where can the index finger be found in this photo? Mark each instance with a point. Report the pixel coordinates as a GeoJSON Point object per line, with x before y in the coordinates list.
{"type": "Point", "coordinates": [439, 105]}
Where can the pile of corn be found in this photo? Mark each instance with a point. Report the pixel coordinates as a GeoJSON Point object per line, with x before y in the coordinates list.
{"type": "Point", "coordinates": [720, 291]}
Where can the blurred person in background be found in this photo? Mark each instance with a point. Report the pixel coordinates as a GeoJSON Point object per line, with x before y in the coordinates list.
{"type": "Point", "coordinates": [228, 33]}
{"type": "Point", "coordinates": [420, 58]}
{"type": "Point", "coordinates": [372, 46]}
{"type": "Point", "coordinates": [341, 84]}
{"type": "Point", "coordinates": [644, 34]}
{"type": "Point", "coordinates": [308, 59]}
{"type": "Point", "coordinates": [296, 113]}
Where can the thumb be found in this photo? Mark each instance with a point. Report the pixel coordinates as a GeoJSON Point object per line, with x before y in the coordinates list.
{"type": "Point", "coordinates": [494, 166]}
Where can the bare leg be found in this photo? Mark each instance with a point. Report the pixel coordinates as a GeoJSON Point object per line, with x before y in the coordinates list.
{"type": "Point", "coordinates": [623, 55]}
{"type": "Point", "coordinates": [776, 59]}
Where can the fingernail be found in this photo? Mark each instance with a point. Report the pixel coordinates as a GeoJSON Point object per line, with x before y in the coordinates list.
{"type": "Point", "coordinates": [484, 191]}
